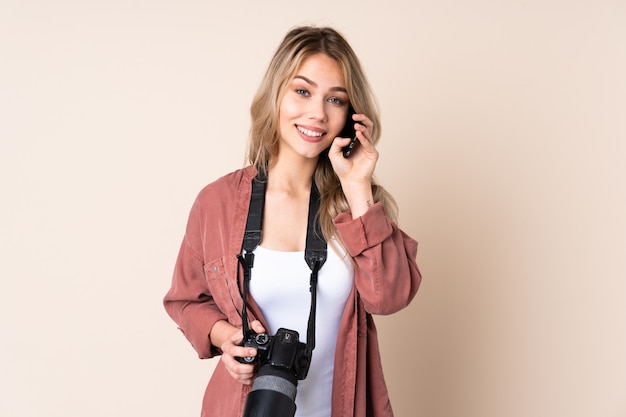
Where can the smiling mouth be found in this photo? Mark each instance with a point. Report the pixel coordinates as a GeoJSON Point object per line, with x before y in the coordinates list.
{"type": "Point", "coordinates": [310, 133]}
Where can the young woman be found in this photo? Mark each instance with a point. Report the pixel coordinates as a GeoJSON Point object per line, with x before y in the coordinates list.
{"type": "Point", "coordinates": [302, 105]}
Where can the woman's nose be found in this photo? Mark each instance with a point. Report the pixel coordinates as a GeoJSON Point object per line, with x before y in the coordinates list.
{"type": "Point", "coordinates": [317, 110]}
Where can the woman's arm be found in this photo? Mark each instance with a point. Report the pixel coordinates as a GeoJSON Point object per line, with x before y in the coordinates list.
{"type": "Point", "coordinates": [190, 304]}
{"type": "Point", "coordinates": [386, 276]}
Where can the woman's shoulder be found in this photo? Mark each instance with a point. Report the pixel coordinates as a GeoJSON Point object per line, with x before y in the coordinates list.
{"type": "Point", "coordinates": [228, 184]}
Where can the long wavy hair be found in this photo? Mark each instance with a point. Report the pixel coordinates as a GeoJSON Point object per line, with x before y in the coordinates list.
{"type": "Point", "coordinates": [299, 44]}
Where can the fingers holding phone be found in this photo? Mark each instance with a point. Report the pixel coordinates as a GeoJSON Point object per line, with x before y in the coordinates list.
{"type": "Point", "coordinates": [358, 156]}
{"type": "Point", "coordinates": [355, 123]}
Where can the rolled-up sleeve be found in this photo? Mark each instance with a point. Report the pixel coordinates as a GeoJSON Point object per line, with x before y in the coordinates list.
{"type": "Point", "coordinates": [190, 304]}
{"type": "Point", "coordinates": [387, 276]}
{"type": "Point", "coordinates": [190, 301]}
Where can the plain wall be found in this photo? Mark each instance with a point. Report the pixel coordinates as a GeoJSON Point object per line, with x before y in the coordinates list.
{"type": "Point", "coordinates": [503, 141]}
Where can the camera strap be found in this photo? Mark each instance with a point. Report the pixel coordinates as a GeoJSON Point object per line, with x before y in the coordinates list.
{"type": "Point", "coordinates": [314, 252]}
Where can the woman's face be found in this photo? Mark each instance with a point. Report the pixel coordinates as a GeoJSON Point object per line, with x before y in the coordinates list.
{"type": "Point", "coordinates": [314, 108]}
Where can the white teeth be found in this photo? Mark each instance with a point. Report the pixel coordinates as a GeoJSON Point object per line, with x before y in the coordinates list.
{"type": "Point", "coordinates": [310, 132]}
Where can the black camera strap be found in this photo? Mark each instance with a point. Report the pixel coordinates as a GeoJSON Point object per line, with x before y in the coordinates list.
{"type": "Point", "coordinates": [314, 253]}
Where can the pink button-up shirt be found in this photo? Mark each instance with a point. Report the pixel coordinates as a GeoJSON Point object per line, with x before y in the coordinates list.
{"type": "Point", "coordinates": [206, 288]}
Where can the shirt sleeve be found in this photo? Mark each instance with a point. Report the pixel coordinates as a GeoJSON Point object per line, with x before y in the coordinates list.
{"type": "Point", "coordinates": [386, 276]}
{"type": "Point", "coordinates": [189, 301]}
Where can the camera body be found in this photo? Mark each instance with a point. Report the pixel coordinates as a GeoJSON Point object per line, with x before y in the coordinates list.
{"type": "Point", "coordinates": [283, 350]}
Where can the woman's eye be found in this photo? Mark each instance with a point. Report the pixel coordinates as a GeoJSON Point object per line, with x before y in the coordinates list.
{"type": "Point", "coordinates": [336, 100]}
{"type": "Point", "coordinates": [302, 91]}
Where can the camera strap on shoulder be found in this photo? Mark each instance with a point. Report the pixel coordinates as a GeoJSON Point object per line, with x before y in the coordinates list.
{"type": "Point", "coordinates": [314, 254]}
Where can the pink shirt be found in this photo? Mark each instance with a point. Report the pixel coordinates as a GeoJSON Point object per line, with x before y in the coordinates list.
{"type": "Point", "coordinates": [207, 280]}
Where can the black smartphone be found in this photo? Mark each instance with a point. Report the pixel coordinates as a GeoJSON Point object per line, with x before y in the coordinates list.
{"type": "Point", "coordinates": [349, 132]}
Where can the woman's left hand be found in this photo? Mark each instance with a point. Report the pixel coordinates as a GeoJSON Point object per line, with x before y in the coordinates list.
{"type": "Point", "coordinates": [359, 166]}
{"type": "Point", "coordinates": [355, 172]}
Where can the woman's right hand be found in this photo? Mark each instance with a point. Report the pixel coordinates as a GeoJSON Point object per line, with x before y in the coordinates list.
{"type": "Point", "coordinates": [231, 349]}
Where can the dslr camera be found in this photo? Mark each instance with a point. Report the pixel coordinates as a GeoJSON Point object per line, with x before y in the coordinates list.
{"type": "Point", "coordinates": [282, 360]}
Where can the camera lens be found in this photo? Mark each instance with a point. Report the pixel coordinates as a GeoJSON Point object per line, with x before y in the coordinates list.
{"type": "Point", "coordinates": [273, 393]}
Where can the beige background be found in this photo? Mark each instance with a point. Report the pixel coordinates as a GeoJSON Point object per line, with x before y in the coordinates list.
{"type": "Point", "coordinates": [503, 140]}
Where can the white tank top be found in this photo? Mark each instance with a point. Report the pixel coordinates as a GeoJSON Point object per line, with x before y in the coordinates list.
{"type": "Point", "coordinates": [280, 287]}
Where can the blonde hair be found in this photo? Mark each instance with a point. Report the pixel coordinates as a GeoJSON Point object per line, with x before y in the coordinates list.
{"type": "Point", "coordinates": [299, 44]}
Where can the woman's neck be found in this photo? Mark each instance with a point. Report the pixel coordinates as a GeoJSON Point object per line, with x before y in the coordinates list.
{"type": "Point", "coordinates": [290, 176]}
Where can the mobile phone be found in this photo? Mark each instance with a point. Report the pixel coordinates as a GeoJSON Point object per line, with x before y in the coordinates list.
{"type": "Point", "coordinates": [349, 132]}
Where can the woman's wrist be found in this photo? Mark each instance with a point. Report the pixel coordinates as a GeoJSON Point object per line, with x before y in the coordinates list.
{"type": "Point", "coordinates": [221, 332]}
{"type": "Point", "coordinates": [359, 197]}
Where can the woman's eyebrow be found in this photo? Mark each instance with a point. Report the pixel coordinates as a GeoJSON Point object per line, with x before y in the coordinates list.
{"type": "Point", "coordinates": [314, 84]}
